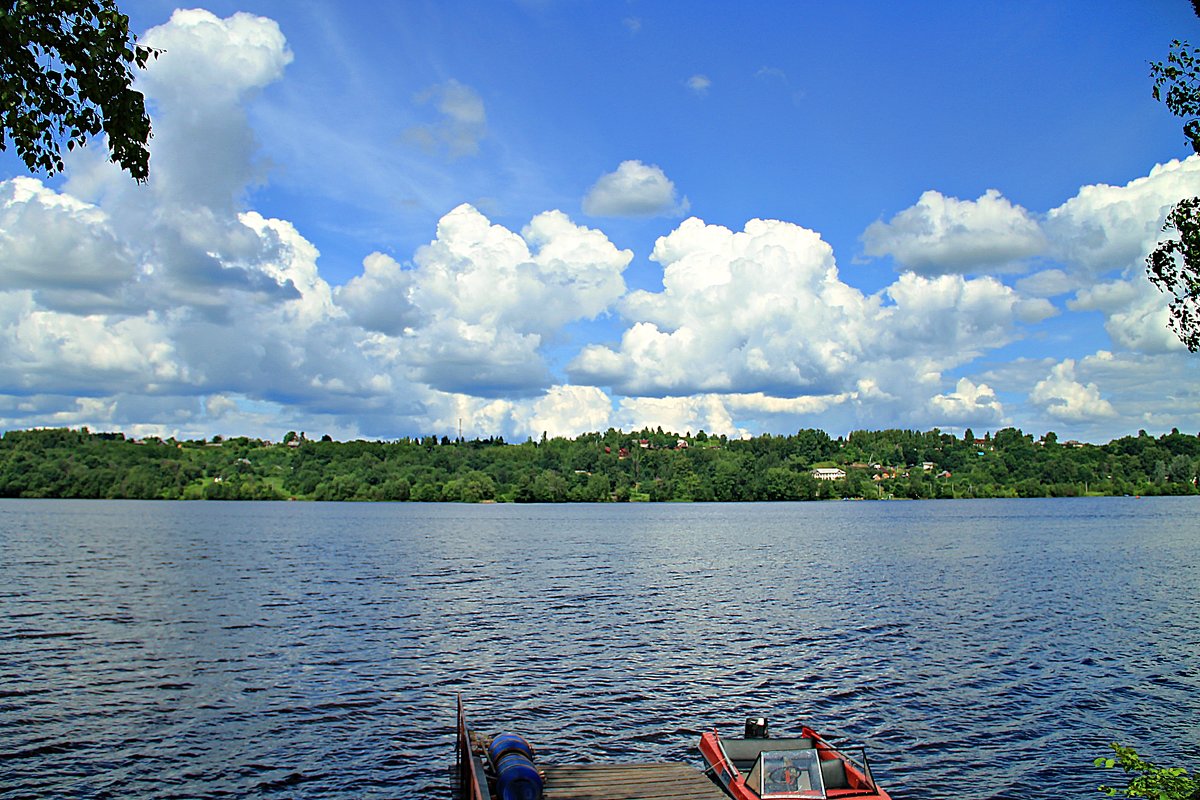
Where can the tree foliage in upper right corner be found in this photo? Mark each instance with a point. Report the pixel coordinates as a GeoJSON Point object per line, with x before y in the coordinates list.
{"type": "Point", "coordinates": [1174, 267]}
{"type": "Point", "coordinates": [1177, 83]}
{"type": "Point", "coordinates": [66, 74]}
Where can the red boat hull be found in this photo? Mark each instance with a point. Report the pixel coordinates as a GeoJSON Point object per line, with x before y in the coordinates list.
{"type": "Point", "coordinates": [734, 781]}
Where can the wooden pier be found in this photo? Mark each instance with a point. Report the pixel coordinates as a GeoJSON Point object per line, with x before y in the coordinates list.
{"type": "Point", "coordinates": [628, 782]}
{"type": "Point", "coordinates": [671, 781]}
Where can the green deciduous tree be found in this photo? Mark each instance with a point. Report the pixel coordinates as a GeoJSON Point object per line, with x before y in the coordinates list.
{"type": "Point", "coordinates": [1174, 265]}
{"type": "Point", "coordinates": [66, 75]}
{"type": "Point", "coordinates": [1177, 84]}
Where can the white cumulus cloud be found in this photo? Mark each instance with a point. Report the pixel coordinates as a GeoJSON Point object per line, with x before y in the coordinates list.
{"type": "Point", "coordinates": [208, 69]}
{"type": "Point", "coordinates": [566, 411]}
{"type": "Point", "coordinates": [758, 310]}
{"type": "Point", "coordinates": [1103, 231]}
{"type": "Point", "coordinates": [942, 235]}
{"type": "Point", "coordinates": [1136, 314]}
{"type": "Point", "coordinates": [950, 316]}
{"type": "Point", "coordinates": [706, 412]}
{"type": "Point", "coordinates": [61, 248]}
{"type": "Point", "coordinates": [147, 299]}
{"type": "Point", "coordinates": [1105, 228]}
{"type": "Point", "coordinates": [492, 295]}
{"type": "Point", "coordinates": [764, 310]}
{"type": "Point", "coordinates": [381, 298]}
{"type": "Point", "coordinates": [969, 405]}
{"type": "Point", "coordinates": [1048, 283]}
{"type": "Point", "coordinates": [634, 189]}
{"type": "Point", "coordinates": [1065, 398]}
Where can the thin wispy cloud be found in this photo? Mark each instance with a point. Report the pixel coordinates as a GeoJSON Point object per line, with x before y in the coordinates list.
{"type": "Point", "coordinates": [699, 84]}
{"type": "Point", "coordinates": [461, 122]}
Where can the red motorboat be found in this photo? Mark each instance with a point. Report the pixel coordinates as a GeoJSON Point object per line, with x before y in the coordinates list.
{"type": "Point", "coordinates": [805, 767]}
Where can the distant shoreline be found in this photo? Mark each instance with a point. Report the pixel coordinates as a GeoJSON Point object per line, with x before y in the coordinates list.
{"type": "Point", "coordinates": [615, 466]}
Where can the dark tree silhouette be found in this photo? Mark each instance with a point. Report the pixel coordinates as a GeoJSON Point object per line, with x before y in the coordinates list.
{"type": "Point", "coordinates": [66, 75]}
{"type": "Point", "coordinates": [1174, 265]}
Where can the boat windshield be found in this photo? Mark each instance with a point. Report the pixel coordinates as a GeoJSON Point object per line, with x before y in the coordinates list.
{"type": "Point", "coordinates": [785, 774]}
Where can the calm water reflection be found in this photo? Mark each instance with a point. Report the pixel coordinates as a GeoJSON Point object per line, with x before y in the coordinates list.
{"type": "Point", "coordinates": [981, 648]}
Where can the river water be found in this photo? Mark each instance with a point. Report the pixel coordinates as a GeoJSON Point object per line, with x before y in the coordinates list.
{"type": "Point", "coordinates": [980, 649]}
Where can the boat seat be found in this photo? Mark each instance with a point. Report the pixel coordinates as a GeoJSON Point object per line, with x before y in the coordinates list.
{"type": "Point", "coordinates": [744, 752]}
{"type": "Point", "coordinates": [833, 774]}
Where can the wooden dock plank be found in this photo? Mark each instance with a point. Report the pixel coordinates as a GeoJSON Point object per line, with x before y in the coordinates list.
{"type": "Point", "coordinates": [628, 782]}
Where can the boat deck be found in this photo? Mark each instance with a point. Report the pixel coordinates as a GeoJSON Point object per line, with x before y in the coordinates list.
{"type": "Point", "coordinates": [627, 782]}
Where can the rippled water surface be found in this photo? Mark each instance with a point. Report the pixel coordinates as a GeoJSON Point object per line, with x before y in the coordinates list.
{"type": "Point", "coordinates": [981, 649]}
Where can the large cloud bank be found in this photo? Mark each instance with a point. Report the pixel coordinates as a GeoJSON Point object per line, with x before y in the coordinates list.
{"type": "Point", "coordinates": [176, 309]}
{"type": "Point", "coordinates": [764, 311]}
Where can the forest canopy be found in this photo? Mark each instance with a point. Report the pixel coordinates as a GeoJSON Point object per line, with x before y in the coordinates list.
{"type": "Point", "coordinates": [614, 466]}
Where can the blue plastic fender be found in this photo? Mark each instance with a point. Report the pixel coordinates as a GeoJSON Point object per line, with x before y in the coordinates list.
{"type": "Point", "coordinates": [516, 777]}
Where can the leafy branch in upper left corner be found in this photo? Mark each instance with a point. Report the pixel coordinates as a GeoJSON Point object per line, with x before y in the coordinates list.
{"type": "Point", "coordinates": [66, 75]}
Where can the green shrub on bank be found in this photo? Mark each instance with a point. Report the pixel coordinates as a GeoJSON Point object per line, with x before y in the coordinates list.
{"type": "Point", "coordinates": [1148, 779]}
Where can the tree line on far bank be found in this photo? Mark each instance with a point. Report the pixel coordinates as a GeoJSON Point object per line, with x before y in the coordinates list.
{"type": "Point", "coordinates": [615, 466]}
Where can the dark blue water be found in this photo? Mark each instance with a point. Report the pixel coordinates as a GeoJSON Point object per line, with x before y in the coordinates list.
{"type": "Point", "coordinates": [981, 649]}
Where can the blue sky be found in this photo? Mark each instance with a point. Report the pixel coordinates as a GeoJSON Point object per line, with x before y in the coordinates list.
{"type": "Point", "coordinates": [379, 219]}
